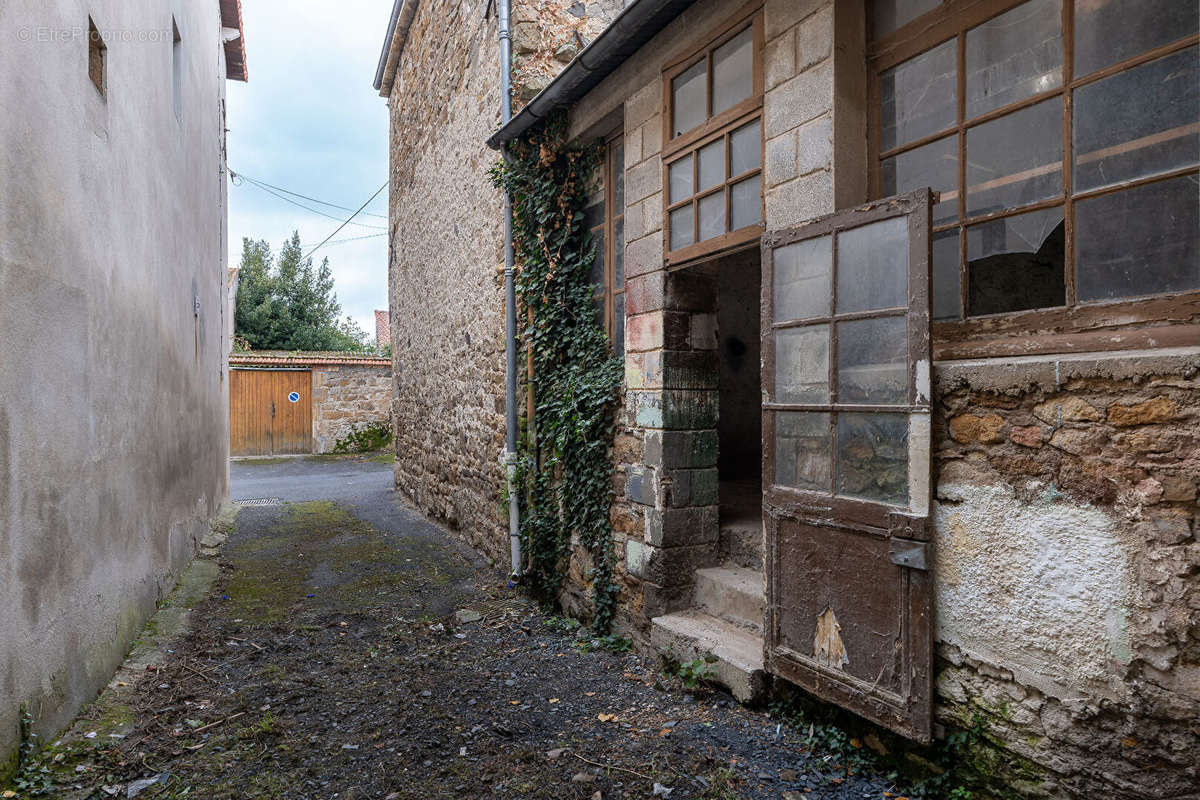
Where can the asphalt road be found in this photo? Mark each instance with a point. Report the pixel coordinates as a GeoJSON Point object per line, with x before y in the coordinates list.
{"type": "Point", "coordinates": [297, 480]}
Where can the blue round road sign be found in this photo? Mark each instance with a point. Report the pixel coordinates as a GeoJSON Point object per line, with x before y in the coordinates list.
{"type": "Point", "coordinates": [294, 397]}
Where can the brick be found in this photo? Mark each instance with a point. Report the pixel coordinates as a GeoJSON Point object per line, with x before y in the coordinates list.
{"type": "Point", "coordinates": [780, 59]}
{"type": "Point", "coordinates": [1158, 409]}
{"type": "Point", "coordinates": [781, 158]}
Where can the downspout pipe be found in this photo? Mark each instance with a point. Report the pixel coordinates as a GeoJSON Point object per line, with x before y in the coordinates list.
{"type": "Point", "coordinates": [510, 310]}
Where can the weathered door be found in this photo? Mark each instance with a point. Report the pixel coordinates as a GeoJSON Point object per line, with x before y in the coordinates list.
{"type": "Point", "coordinates": [846, 466]}
{"type": "Point", "coordinates": [270, 412]}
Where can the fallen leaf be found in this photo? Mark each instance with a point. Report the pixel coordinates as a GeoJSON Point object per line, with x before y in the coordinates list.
{"type": "Point", "coordinates": [606, 717]}
{"type": "Point", "coordinates": [855, 743]}
{"type": "Point", "coordinates": [553, 699]}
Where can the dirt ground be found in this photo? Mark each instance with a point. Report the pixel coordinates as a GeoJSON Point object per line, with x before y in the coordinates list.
{"type": "Point", "coordinates": [352, 650]}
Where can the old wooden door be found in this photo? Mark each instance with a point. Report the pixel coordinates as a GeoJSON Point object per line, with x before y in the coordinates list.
{"type": "Point", "coordinates": [270, 412]}
{"type": "Point", "coordinates": [846, 467]}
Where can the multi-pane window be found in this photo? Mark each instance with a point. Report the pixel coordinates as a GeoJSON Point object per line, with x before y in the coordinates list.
{"type": "Point", "coordinates": [1063, 137]}
{"type": "Point", "coordinates": [605, 217]}
{"type": "Point", "coordinates": [713, 156]}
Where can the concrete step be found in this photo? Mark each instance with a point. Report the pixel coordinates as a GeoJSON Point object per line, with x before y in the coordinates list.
{"type": "Point", "coordinates": [687, 635]}
{"type": "Point", "coordinates": [740, 542]}
{"type": "Point", "coordinates": [735, 594]}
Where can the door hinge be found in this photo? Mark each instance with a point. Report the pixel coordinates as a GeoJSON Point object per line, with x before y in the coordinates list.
{"type": "Point", "coordinates": [908, 553]}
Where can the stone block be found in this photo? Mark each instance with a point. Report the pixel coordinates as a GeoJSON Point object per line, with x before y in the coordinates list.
{"type": "Point", "coordinates": [689, 369]}
{"type": "Point", "coordinates": [1065, 409]}
{"type": "Point", "coordinates": [643, 180]}
{"type": "Point", "coordinates": [659, 600]}
{"type": "Point", "coordinates": [686, 449]}
{"type": "Point", "coordinates": [676, 566]}
{"type": "Point", "coordinates": [641, 484]}
{"type": "Point", "coordinates": [1027, 436]}
{"type": "Point", "coordinates": [643, 104]}
{"type": "Point", "coordinates": [644, 409]}
{"type": "Point", "coordinates": [645, 293]}
{"type": "Point", "coordinates": [644, 332]}
{"type": "Point", "coordinates": [796, 101]}
{"type": "Point", "coordinates": [644, 370]}
{"type": "Point", "coordinates": [781, 158]}
{"type": "Point", "coordinates": [692, 487]}
{"type": "Point", "coordinates": [681, 527]}
{"type": "Point", "coordinates": [800, 200]}
{"type": "Point", "coordinates": [635, 558]}
{"type": "Point", "coordinates": [644, 255]}
{"type": "Point", "coordinates": [779, 59]}
{"type": "Point", "coordinates": [779, 15]}
{"type": "Point", "coordinates": [691, 293]}
{"type": "Point", "coordinates": [1178, 488]}
{"type": "Point", "coordinates": [703, 331]}
{"type": "Point", "coordinates": [688, 409]}
{"type": "Point", "coordinates": [814, 148]}
{"type": "Point", "coordinates": [814, 39]}
{"type": "Point", "coordinates": [971, 429]}
{"type": "Point", "coordinates": [1156, 410]}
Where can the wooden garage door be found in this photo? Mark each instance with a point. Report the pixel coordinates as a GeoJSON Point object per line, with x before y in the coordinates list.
{"type": "Point", "coordinates": [270, 412]}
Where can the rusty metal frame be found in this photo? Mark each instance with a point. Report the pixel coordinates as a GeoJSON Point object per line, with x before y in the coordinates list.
{"type": "Point", "coordinates": [902, 535]}
{"type": "Point", "coordinates": [1073, 326]}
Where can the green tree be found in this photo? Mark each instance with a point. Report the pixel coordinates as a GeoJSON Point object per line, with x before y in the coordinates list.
{"type": "Point", "coordinates": [288, 304]}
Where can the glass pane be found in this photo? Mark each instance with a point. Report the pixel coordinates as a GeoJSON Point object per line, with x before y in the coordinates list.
{"type": "Point", "coordinates": [593, 214]}
{"type": "Point", "coordinates": [1139, 122]}
{"type": "Point", "coordinates": [682, 233]}
{"type": "Point", "coordinates": [801, 284]}
{"type": "Point", "coordinates": [1016, 159]}
{"type": "Point", "coordinates": [888, 15]}
{"type": "Point", "coordinates": [1139, 241]}
{"type": "Point", "coordinates": [872, 361]}
{"type": "Point", "coordinates": [917, 98]}
{"type": "Point", "coordinates": [1014, 55]}
{"type": "Point", "coordinates": [679, 176]}
{"type": "Point", "coordinates": [712, 216]}
{"type": "Point", "coordinates": [1016, 263]}
{"type": "Point", "coordinates": [947, 297]}
{"type": "Point", "coordinates": [596, 275]}
{"type": "Point", "coordinates": [688, 102]}
{"type": "Point", "coordinates": [712, 165]}
{"type": "Point", "coordinates": [872, 457]}
{"type": "Point", "coordinates": [733, 71]}
{"type": "Point", "coordinates": [802, 450]}
{"type": "Point", "coordinates": [802, 365]}
{"type": "Point", "coordinates": [934, 165]}
{"type": "Point", "coordinates": [746, 199]}
{"type": "Point", "coordinates": [745, 148]}
{"type": "Point", "coordinates": [873, 266]}
{"type": "Point", "coordinates": [619, 178]}
{"type": "Point", "coordinates": [619, 254]}
{"type": "Point", "coordinates": [619, 324]}
{"type": "Point", "coordinates": [1114, 30]}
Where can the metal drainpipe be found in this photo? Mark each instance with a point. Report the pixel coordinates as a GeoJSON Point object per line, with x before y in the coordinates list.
{"type": "Point", "coordinates": [510, 311]}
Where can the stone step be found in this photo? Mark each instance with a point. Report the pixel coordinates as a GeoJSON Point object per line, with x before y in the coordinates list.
{"type": "Point", "coordinates": [735, 594]}
{"type": "Point", "coordinates": [687, 635]}
{"type": "Point", "coordinates": [740, 542]}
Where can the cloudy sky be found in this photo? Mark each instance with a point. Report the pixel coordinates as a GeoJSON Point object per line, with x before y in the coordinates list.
{"type": "Point", "coordinates": [310, 122]}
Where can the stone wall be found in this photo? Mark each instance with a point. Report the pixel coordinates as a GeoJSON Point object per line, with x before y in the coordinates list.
{"type": "Point", "coordinates": [346, 398]}
{"type": "Point", "coordinates": [114, 394]}
{"type": "Point", "coordinates": [1066, 563]}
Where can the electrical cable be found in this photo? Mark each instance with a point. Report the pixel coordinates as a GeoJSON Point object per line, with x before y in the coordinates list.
{"type": "Point", "coordinates": [352, 239]}
{"type": "Point", "coordinates": [264, 184]}
{"type": "Point", "coordinates": [306, 208]}
{"type": "Point", "coordinates": [347, 222]}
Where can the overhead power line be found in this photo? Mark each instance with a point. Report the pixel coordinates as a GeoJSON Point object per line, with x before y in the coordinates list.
{"type": "Point", "coordinates": [353, 239]}
{"type": "Point", "coordinates": [270, 191]}
{"type": "Point", "coordinates": [347, 222]}
{"type": "Point", "coordinates": [263, 183]}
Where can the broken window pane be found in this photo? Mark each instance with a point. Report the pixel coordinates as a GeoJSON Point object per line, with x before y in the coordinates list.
{"type": "Point", "coordinates": [802, 450]}
{"type": "Point", "coordinates": [682, 230]}
{"type": "Point", "coordinates": [802, 365]}
{"type": "Point", "coordinates": [679, 179]}
{"type": "Point", "coordinates": [712, 216]}
{"type": "Point", "coordinates": [1139, 241]}
{"type": "Point", "coordinates": [733, 71]}
{"type": "Point", "coordinates": [745, 197]}
{"type": "Point", "coordinates": [888, 15]}
{"type": "Point", "coordinates": [873, 266]}
{"type": "Point", "coordinates": [1139, 122]}
{"type": "Point", "coordinates": [947, 276]}
{"type": "Point", "coordinates": [1014, 56]}
{"type": "Point", "coordinates": [1016, 263]}
{"type": "Point", "coordinates": [934, 165]}
{"type": "Point", "coordinates": [1015, 160]}
{"type": "Point", "coordinates": [712, 165]}
{"type": "Point", "coordinates": [872, 361]}
{"type": "Point", "coordinates": [745, 148]}
{"type": "Point", "coordinates": [917, 98]}
{"type": "Point", "coordinates": [801, 280]}
{"type": "Point", "coordinates": [689, 106]}
{"type": "Point", "coordinates": [1114, 30]}
{"type": "Point", "coordinates": [619, 179]}
{"type": "Point", "coordinates": [872, 457]}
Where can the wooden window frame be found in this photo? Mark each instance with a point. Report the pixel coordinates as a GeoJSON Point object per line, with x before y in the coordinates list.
{"type": "Point", "coordinates": [607, 230]}
{"type": "Point", "coordinates": [715, 127]}
{"type": "Point", "coordinates": [1156, 320]}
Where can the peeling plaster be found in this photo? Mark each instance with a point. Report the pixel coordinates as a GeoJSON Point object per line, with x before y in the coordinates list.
{"type": "Point", "coordinates": [1042, 587]}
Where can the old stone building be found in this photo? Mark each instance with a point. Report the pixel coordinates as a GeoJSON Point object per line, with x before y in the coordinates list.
{"type": "Point", "coordinates": [932, 457]}
{"type": "Point", "coordinates": [113, 381]}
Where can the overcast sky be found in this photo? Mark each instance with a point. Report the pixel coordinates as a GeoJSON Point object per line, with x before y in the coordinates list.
{"type": "Point", "coordinates": [309, 121]}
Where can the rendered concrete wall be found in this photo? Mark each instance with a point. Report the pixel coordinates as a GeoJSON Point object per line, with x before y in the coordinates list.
{"type": "Point", "coordinates": [346, 398]}
{"type": "Point", "coordinates": [113, 386]}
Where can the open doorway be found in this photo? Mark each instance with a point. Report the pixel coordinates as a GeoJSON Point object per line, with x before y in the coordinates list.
{"type": "Point", "coordinates": [739, 426]}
